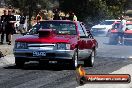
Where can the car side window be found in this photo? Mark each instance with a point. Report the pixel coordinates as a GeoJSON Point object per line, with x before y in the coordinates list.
{"type": "Point", "coordinates": [81, 31]}
{"type": "Point", "coordinates": [87, 32]}
{"type": "Point", "coordinates": [34, 29]}
{"type": "Point", "coordinates": [84, 29]}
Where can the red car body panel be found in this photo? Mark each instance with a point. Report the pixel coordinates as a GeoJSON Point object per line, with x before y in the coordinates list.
{"type": "Point", "coordinates": [127, 31]}
{"type": "Point", "coordinates": [50, 39]}
{"type": "Point", "coordinates": [114, 31]}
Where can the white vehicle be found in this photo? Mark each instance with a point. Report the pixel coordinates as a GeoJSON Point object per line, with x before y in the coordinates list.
{"type": "Point", "coordinates": [103, 27]}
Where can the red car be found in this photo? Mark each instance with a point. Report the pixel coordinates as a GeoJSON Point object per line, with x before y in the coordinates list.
{"type": "Point", "coordinates": [59, 41]}
{"type": "Point", "coordinates": [128, 34]}
{"type": "Point", "coordinates": [113, 37]}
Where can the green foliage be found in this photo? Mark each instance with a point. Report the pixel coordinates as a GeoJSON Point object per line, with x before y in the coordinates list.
{"type": "Point", "coordinates": [29, 7]}
{"type": "Point", "coordinates": [86, 10]}
{"type": "Point", "coordinates": [95, 10]}
{"type": "Point", "coordinates": [92, 10]}
{"type": "Point", "coordinates": [33, 5]}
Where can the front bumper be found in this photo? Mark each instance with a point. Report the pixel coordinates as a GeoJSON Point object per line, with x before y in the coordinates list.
{"type": "Point", "coordinates": [128, 41]}
{"type": "Point", "coordinates": [50, 54]}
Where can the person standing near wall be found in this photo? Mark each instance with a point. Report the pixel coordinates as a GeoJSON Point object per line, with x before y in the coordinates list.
{"type": "Point", "coordinates": [22, 27]}
{"type": "Point", "coordinates": [3, 24]}
{"type": "Point", "coordinates": [10, 26]}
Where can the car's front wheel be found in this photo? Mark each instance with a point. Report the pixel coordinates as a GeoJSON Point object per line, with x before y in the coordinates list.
{"type": "Point", "coordinates": [90, 61]}
{"type": "Point", "coordinates": [19, 62]}
{"type": "Point", "coordinates": [74, 62]}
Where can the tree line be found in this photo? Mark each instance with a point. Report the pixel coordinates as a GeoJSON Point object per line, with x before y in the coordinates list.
{"type": "Point", "coordinates": [96, 10]}
{"type": "Point", "coordinates": [91, 11]}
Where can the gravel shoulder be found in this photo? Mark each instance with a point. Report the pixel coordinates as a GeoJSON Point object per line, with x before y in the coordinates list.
{"type": "Point", "coordinates": [6, 49]}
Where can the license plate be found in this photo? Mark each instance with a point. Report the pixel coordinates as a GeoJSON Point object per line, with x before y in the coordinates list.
{"type": "Point", "coordinates": [53, 62]}
{"type": "Point", "coordinates": [39, 53]}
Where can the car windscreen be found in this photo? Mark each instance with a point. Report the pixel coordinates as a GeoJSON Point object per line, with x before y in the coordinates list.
{"type": "Point", "coordinates": [116, 25]}
{"type": "Point", "coordinates": [106, 22]}
{"type": "Point", "coordinates": [129, 26]}
{"type": "Point", "coordinates": [60, 27]}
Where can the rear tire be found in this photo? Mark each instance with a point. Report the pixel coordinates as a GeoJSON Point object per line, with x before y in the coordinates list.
{"type": "Point", "coordinates": [90, 61]}
{"type": "Point", "coordinates": [19, 63]}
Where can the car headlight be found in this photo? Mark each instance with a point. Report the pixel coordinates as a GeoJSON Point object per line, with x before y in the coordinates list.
{"type": "Point", "coordinates": [20, 45]}
{"type": "Point", "coordinates": [63, 46]}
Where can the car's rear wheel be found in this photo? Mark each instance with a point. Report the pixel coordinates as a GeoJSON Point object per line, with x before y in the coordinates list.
{"type": "Point", "coordinates": [90, 61]}
{"type": "Point", "coordinates": [74, 62]}
{"type": "Point", "coordinates": [19, 62]}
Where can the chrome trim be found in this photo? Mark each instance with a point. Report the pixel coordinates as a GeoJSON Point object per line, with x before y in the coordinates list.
{"type": "Point", "coordinates": [30, 50]}
{"type": "Point", "coordinates": [42, 48]}
{"type": "Point", "coordinates": [41, 45]}
{"type": "Point", "coordinates": [59, 54]}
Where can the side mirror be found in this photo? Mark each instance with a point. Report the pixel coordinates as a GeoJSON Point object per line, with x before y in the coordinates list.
{"type": "Point", "coordinates": [126, 29]}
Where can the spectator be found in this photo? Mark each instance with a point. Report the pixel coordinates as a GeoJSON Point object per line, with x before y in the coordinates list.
{"type": "Point", "coordinates": [38, 17]}
{"type": "Point", "coordinates": [44, 15]}
{"type": "Point", "coordinates": [72, 17]}
{"type": "Point", "coordinates": [3, 24]}
{"type": "Point", "coordinates": [10, 29]}
{"type": "Point", "coordinates": [56, 15]}
{"type": "Point", "coordinates": [50, 15]}
{"type": "Point", "coordinates": [22, 27]}
{"type": "Point", "coordinates": [67, 16]}
{"type": "Point", "coordinates": [62, 15]}
{"type": "Point", "coordinates": [121, 29]}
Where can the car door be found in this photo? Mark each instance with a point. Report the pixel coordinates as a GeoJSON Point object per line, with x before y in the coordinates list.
{"type": "Point", "coordinates": [84, 43]}
{"type": "Point", "coordinates": [89, 37]}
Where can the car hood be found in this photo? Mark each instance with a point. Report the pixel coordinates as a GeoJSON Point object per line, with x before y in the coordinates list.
{"type": "Point", "coordinates": [128, 32]}
{"type": "Point", "coordinates": [103, 26]}
{"type": "Point", "coordinates": [49, 39]}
